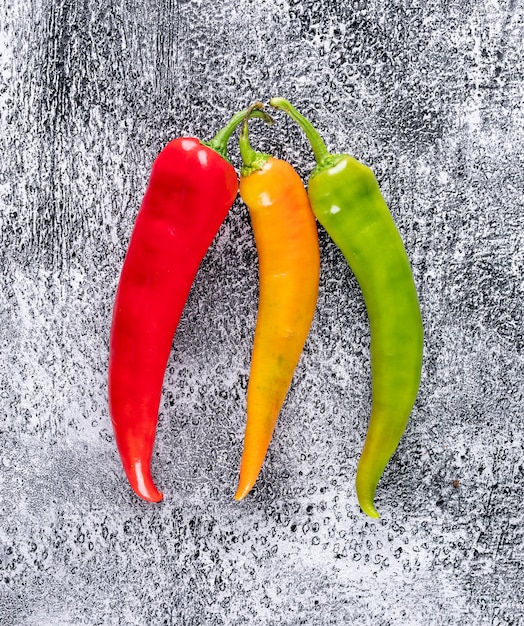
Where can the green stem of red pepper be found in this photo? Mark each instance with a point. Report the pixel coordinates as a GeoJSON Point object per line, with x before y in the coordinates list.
{"type": "Point", "coordinates": [221, 139]}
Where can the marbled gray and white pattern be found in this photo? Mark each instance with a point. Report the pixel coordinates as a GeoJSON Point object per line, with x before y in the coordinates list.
{"type": "Point", "coordinates": [430, 94]}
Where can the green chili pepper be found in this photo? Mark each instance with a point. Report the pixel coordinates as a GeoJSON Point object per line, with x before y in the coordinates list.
{"type": "Point", "coordinates": [346, 200]}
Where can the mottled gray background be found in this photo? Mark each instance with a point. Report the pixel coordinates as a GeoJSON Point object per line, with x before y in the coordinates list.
{"type": "Point", "coordinates": [427, 92]}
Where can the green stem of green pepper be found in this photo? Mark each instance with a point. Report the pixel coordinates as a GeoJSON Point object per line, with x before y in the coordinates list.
{"type": "Point", "coordinates": [323, 157]}
{"type": "Point", "coordinates": [346, 200]}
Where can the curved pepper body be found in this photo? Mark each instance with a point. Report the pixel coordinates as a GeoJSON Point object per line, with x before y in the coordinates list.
{"type": "Point", "coordinates": [190, 191]}
{"type": "Point", "coordinates": [286, 237]}
{"type": "Point", "coordinates": [346, 200]}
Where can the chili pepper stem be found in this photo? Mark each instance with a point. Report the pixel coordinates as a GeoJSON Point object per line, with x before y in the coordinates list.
{"type": "Point", "coordinates": [322, 156]}
{"type": "Point", "coordinates": [221, 139]}
{"type": "Point", "coordinates": [252, 161]}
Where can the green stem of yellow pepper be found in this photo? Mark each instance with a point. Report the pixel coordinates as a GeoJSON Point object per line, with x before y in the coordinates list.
{"type": "Point", "coordinates": [346, 200]}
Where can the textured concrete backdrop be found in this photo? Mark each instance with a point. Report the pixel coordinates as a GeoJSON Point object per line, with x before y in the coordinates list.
{"type": "Point", "coordinates": [429, 93]}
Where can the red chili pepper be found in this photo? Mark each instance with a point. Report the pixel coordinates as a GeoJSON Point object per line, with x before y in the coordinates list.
{"type": "Point", "coordinates": [190, 191]}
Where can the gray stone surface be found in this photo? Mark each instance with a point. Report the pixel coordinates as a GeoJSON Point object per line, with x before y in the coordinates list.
{"type": "Point", "coordinates": [430, 95]}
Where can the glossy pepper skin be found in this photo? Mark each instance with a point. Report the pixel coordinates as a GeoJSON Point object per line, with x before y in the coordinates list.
{"type": "Point", "coordinates": [346, 200]}
{"type": "Point", "coordinates": [190, 191]}
{"type": "Point", "coordinates": [286, 238]}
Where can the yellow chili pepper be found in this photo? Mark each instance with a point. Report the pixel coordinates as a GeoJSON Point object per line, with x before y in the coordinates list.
{"type": "Point", "coordinates": [286, 237]}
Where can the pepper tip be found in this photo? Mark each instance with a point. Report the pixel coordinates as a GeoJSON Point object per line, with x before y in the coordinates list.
{"type": "Point", "coordinates": [242, 491]}
{"type": "Point", "coordinates": [157, 496]}
{"type": "Point", "coordinates": [369, 510]}
{"type": "Point", "coordinates": [142, 483]}
{"type": "Point", "coordinates": [149, 495]}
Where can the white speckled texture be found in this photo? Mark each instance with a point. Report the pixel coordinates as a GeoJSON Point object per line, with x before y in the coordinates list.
{"type": "Point", "coordinates": [430, 95]}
